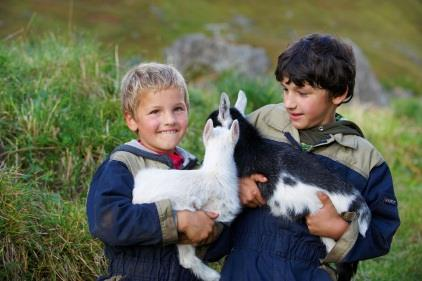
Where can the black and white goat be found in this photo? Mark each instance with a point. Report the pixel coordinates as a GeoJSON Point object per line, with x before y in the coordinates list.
{"type": "Point", "coordinates": [294, 177]}
{"type": "Point", "coordinates": [213, 187]}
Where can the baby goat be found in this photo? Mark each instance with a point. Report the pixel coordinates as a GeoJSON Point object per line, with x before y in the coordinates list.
{"type": "Point", "coordinates": [294, 177]}
{"type": "Point", "coordinates": [213, 187]}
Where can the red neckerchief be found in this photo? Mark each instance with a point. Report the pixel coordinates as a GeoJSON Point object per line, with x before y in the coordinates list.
{"type": "Point", "coordinates": [175, 158]}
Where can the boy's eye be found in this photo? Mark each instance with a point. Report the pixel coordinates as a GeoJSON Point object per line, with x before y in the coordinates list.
{"type": "Point", "coordinates": [179, 108]}
{"type": "Point", "coordinates": [303, 94]}
{"type": "Point", "coordinates": [155, 111]}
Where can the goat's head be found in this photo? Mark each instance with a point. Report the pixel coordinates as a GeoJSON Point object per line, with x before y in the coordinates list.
{"type": "Point", "coordinates": [221, 136]}
{"type": "Point", "coordinates": [225, 115]}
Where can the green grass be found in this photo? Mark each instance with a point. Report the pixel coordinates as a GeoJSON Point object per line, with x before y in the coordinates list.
{"type": "Point", "coordinates": [43, 237]}
{"type": "Point", "coordinates": [60, 116]}
{"type": "Point", "coordinates": [395, 132]}
{"type": "Point", "coordinates": [59, 111]}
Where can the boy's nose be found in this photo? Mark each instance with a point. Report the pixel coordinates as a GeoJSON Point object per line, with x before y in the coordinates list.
{"type": "Point", "coordinates": [169, 118]}
{"type": "Point", "coordinates": [289, 102]}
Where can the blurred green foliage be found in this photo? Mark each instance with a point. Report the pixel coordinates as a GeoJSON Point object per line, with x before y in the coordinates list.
{"type": "Point", "coordinates": [410, 108]}
{"type": "Point", "coordinates": [388, 32]}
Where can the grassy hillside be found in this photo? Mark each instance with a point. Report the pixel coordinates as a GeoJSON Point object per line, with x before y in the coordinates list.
{"type": "Point", "coordinates": [389, 32]}
{"type": "Point", "coordinates": [60, 116]}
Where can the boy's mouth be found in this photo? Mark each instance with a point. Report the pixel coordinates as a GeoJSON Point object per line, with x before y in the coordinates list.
{"type": "Point", "coordinates": [168, 132]}
{"type": "Point", "coordinates": [295, 116]}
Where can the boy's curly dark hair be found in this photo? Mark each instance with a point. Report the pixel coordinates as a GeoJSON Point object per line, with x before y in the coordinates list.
{"type": "Point", "coordinates": [321, 61]}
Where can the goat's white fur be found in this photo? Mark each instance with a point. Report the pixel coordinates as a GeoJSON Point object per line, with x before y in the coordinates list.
{"type": "Point", "coordinates": [304, 197]}
{"type": "Point", "coordinates": [213, 187]}
{"type": "Point", "coordinates": [300, 197]}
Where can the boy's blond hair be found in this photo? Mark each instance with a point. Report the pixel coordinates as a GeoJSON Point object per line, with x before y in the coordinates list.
{"type": "Point", "coordinates": [149, 77]}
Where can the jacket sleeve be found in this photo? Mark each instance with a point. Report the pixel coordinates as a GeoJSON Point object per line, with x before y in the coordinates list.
{"type": "Point", "coordinates": [379, 194]}
{"type": "Point", "coordinates": [114, 219]}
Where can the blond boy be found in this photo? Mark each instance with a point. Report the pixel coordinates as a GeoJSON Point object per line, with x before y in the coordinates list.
{"type": "Point", "coordinates": [139, 240]}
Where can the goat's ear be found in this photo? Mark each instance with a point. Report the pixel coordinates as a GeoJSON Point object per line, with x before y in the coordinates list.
{"type": "Point", "coordinates": [235, 130]}
{"type": "Point", "coordinates": [224, 110]}
{"type": "Point", "coordinates": [207, 131]}
{"type": "Point", "coordinates": [241, 102]}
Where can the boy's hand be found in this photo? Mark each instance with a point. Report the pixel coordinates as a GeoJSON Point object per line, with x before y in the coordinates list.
{"type": "Point", "coordinates": [326, 221]}
{"type": "Point", "coordinates": [249, 194]}
{"type": "Point", "coordinates": [196, 228]}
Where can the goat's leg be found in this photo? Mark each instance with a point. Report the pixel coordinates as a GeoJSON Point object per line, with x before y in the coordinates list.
{"type": "Point", "coordinates": [329, 243]}
{"type": "Point", "coordinates": [189, 260]}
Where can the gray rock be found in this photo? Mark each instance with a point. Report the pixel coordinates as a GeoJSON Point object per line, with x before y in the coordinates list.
{"type": "Point", "coordinates": [242, 22]}
{"type": "Point", "coordinates": [399, 92]}
{"type": "Point", "coordinates": [197, 55]}
{"type": "Point", "coordinates": [368, 89]}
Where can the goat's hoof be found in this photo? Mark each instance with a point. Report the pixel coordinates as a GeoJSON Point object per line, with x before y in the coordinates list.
{"type": "Point", "coordinates": [213, 276]}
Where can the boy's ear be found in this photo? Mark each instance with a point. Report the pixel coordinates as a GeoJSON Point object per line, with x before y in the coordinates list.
{"type": "Point", "coordinates": [340, 99]}
{"type": "Point", "coordinates": [130, 122]}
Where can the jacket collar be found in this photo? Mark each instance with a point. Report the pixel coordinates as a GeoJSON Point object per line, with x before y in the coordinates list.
{"type": "Point", "coordinates": [138, 149]}
{"type": "Point", "coordinates": [285, 126]}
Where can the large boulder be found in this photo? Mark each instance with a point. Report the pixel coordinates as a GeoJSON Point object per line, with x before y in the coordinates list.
{"type": "Point", "coordinates": [196, 55]}
{"type": "Point", "coordinates": [368, 89]}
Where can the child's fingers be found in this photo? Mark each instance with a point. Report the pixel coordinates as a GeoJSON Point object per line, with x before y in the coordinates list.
{"type": "Point", "coordinates": [258, 178]}
{"type": "Point", "coordinates": [323, 197]}
{"type": "Point", "coordinates": [249, 194]}
{"type": "Point", "coordinates": [183, 239]}
{"type": "Point", "coordinates": [259, 198]}
{"type": "Point", "coordinates": [217, 229]}
{"type": "Point", "coordinates": [255, 201]}
{"type": "Point", "coordinates": [212, 215]}
{"type": "Point", "coordinates": [249, 198]}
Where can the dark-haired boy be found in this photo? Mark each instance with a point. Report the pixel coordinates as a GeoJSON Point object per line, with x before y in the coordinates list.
{"type": "Point", "coordinates": [317, 74]}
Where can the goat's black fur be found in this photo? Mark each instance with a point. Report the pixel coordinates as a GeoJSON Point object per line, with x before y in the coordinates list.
{"type": "Point", "coordinates": [255, 154]}
{"type": "Point", "coordinates": [346, 270]}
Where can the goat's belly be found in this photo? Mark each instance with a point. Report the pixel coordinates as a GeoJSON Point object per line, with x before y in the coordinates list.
{"type": "Point", "coordinates": [298, 199]}
{"type": "Point", "coordinates": [144, 194]}
{"type": "Point", "coordinates": [151, 188]}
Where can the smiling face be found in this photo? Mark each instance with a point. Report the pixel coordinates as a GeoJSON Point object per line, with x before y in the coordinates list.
{"type": "Point", "coordinates": [160, 119]}
{"type": "Point", "coordinates": [309, 106]}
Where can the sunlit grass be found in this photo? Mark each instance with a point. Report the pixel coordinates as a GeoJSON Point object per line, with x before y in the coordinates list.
{"type": "Point", "coordinates": [43, 237]}
{"type": "Point", "coordinates": [395, 132]}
